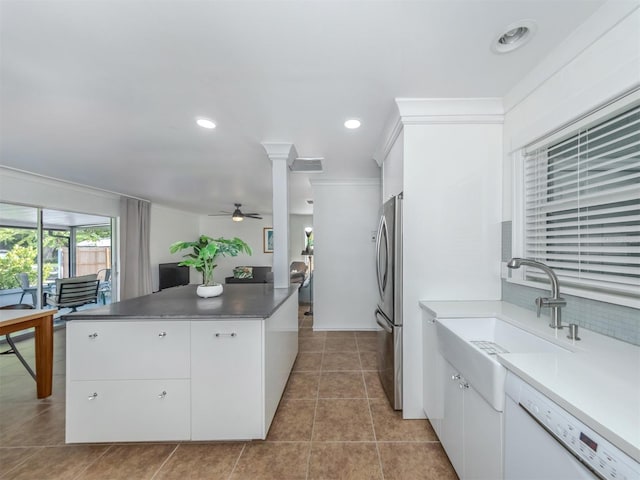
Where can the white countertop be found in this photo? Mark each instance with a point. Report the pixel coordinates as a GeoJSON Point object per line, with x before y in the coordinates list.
{"type": "Point", "coordinates": [598, 381]}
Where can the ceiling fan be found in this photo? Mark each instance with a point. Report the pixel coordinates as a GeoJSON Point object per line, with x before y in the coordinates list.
{"type": "Point", "coordinates": [237, 215]}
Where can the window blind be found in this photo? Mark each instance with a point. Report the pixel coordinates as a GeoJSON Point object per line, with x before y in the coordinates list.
{"type": "Point", "coordinates": [582, 206]}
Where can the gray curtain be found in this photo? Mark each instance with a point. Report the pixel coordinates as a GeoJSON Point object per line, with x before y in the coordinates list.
{"type": "Point", "coordinates": [135, 265]}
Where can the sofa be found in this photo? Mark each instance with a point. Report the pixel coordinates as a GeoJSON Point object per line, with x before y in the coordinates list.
{"type": "Point", "coordinates": [251, 274]}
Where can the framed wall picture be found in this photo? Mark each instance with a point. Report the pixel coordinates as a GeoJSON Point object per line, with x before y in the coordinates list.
{"type": "Point", "coordinates": [267, 239]}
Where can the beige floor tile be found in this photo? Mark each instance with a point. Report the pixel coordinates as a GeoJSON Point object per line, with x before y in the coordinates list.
{"type": "Point", "coordinates": [367, 334]}
{"type": "Point", "coordinates": [345, 344]}
{"type": "Point", "coordinates": [293, 421]}
{"type": "Point", "coordinates": [309, 333]}
{"type": "Point", "coordinates": [342, 420]}
{"type": "Point", "coordinates": [305, 322]}
{"type": "Point", "coordinates": [12, 414]}
{"type": "Point", "coordinates": [46, 429]}
{"type": "Point", "coordinates": [341, 334]}
{"type": "Point", "coordinates": [415, 461]}
{"type": "Point", "coordinates": [390, 426]}
{"type": "Point", "coordinates": [272, 461]}
{"type": "Point", "coordinates": [213, 461]}
{"type": "Point", "coordinates": [308, 362]}
{"type": "Point", "coordinates": [344, 461]}
{"type": "Point", "coordinates": [336, 361]}
{"type": "Point", "coordinates": [12, 457]}
{"type": "Point", "coordinates": [369, 360]}
{"type": "Point", "coordinates": [374, 387]}
{"type": "Point", "coordinates": [57, 463]}
{"type": "Point", "coordinates": [367, 344]}
{"type": "Point", "coordinates": [129, 461]}
{"type": "Point", "coordinates": [306, 344]}
{"type": "Point", "coordinates": [341, 385]}
{"type": "Point", "coordinates": [302, 385]}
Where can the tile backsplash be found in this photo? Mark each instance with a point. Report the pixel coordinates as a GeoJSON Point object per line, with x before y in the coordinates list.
{"type": "Point", "coordinates": [615, 321]}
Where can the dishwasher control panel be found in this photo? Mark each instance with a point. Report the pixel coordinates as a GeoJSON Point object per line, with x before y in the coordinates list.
{"type": "Point", "coordinates": [597, 454]}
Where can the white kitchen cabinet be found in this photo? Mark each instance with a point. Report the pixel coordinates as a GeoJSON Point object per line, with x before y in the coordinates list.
{"type": "Point", "coordinates": [226, 380]}
{"type": "Point", "coordinates": [452, 431]}
{"type": "Point", "coordinates": [178, 379]}
{"type": "Point", "coordinates": [432, 373]}
{"type": "Point", "coordinates": [127, 381]}
{"type": "Point", "coordinates": [143, 349]}
{"type": "Point", "coordinates": [471, 430]}
{"type": "Point", "coordinates": [128, 410]}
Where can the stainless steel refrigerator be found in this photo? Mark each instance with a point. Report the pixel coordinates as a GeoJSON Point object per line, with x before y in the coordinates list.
{"type": "Point", "coordinates": [389, 311]}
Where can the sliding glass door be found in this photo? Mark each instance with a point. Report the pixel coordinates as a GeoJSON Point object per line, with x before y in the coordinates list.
{"type": "Point", "coordinates": [39, 246]}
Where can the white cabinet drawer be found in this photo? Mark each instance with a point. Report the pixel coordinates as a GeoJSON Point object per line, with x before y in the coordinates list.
{"type": "Point", "coordinates": [127, 350]}
{"type": "Point", "coordinates": [226, 373]}
{"type": "Point", "coordinates": [128, 410]}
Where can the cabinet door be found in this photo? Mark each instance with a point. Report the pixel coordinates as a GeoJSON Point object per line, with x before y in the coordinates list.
{"type": "Point", "coordinates": [127, 411]}
{"type": "Point", "coordinates": [226, 380]}
{"type": "Point", "coordinates": [483, 438]}
{"type": "Point", "coordinates": [453, 418]}
{"type": "Point", "coordinates": [127, 350]}
{"type": "Point", "coordinates": [433, 375]}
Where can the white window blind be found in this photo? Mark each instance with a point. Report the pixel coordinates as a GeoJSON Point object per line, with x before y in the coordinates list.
{"type": "Point", "coordinates": [582, 206]}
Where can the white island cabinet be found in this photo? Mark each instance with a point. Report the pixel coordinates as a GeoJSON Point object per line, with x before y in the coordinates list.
{"type": "Point", "coordinates": [203, 377]}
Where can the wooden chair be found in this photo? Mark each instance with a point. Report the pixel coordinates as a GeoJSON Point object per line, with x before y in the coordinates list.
{"type": "Point", "coordinates": [74, 292]}
{"type": "Point", "coordinates": [14, 349]}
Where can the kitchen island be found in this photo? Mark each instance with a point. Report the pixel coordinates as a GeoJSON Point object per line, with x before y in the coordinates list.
{"type": "Point", "coordinates": [173, 366]}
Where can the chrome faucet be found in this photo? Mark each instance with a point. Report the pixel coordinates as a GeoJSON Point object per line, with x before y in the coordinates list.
{"type": "Point", "coordinates": [555, 302]}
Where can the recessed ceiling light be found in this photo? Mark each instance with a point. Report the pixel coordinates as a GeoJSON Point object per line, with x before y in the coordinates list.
{"type": "Point", "coordinates": [205, 123]}
{"type": "Point", "coordinates": [514, 36]}
{"type": "Point", "coordinates": [352, 123]}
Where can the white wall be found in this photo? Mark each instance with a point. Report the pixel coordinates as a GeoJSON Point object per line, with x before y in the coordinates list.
{"type": "Point", "coordinates": [169, 226]}
{"type": "Point", "coordinates": [345, 216]}
{"type": "Point", "coordinates": [36, 191]}
{"type": "Point", "coordinates": [596, 64]}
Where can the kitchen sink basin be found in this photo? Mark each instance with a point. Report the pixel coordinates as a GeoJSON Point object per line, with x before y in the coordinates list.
{"type": "Point", "coordinates": [472, 344]}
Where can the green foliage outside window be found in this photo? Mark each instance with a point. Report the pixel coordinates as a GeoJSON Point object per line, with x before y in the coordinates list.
{"type": "Point", "coordinates": [20, 260]}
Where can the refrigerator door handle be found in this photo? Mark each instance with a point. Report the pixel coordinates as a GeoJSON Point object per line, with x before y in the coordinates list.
{"type": "Point", "coordinates": [382, 278]}
{"type": "Point", "coordinates": [380, 320]}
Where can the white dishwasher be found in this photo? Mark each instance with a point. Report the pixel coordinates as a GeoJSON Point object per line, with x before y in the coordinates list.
{"type": "Point", "coordinates": [544, 442]}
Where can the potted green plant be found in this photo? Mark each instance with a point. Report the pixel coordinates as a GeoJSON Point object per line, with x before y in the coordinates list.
{"type": "Point", "coordinates": [203, 257]}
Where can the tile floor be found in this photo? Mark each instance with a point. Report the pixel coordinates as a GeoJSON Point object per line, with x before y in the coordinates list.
{"type": "Point", "coordinates": [332, 423]}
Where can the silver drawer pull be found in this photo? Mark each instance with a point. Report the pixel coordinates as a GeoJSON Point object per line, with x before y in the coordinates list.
{"type": "Point", "coordinates": [455, 377]}
{"type": "Point", "coordinates": [91, 397]}
{"type": "Point", "coordinates": [162, 334]}
{"type": "Point", "coordinates": [93, 335]}
{"type": "Point", "coordinates": [463, 386]}
{"type": "Point", "coordinates": [162, 395]}
{"type": "Point", "coordinates": [232, 334]}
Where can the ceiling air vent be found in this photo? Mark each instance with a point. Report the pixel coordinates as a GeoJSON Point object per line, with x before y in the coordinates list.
{"type": "Point", "coordinates": [307, 165]}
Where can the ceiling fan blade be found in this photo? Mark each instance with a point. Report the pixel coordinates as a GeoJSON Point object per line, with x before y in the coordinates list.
{"type": "Point", "coordinates": [221, 214]}
{"type": "Point", "coordinates": [253, 215]}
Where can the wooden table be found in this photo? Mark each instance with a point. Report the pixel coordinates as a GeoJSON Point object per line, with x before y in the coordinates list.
{"type": "Point", "coordinates": [42, 320]}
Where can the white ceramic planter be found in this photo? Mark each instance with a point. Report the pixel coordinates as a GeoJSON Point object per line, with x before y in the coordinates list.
{"type": "Point", "coordinates": [207, 291]}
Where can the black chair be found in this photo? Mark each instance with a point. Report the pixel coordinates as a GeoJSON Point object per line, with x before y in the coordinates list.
{"type": "Point", "coordinates": [14, 349]}
{"type": "Point", "coordinates": [74, 292]}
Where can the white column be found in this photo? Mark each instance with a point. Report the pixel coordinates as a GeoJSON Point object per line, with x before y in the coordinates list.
{"type": "Point", "coordinates": [281, 156]}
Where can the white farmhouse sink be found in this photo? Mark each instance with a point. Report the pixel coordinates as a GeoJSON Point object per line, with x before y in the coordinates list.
{"type": "Point", "coordinates": [471, 346]}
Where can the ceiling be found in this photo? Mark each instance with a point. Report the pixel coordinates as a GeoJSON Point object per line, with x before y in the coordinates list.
{"type": "Point", "coordinates": [106, 93]}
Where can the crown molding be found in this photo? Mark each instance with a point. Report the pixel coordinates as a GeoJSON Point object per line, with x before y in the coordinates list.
{"type": "Point", "coordinates": [353, 182]}
{"type": "Point", "coordinates": [435, 111]}
{"type": "Point", "coordinates": [281, 151]}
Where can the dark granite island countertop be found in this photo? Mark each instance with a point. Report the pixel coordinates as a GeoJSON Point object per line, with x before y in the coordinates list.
{"type": "Point", "coordinates": [237, 301]}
